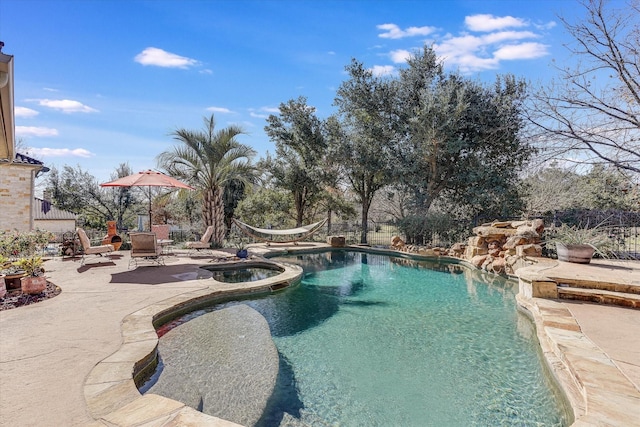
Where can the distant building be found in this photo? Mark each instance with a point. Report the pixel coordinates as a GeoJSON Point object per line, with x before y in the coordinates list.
{"type": "Point", "coordinates": [17, 171]}
{"type": "Point", "coordinates": [48, 217]}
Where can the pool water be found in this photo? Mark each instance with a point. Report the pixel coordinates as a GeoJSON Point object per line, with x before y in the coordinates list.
{"type": "Point", "coordinates": [369, 340]}
{"type": "Point", "coordinates": [237, 275]}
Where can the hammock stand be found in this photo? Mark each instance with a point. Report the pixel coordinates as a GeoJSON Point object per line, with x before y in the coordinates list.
{"type": "Point", "coordinates": [305, 230]}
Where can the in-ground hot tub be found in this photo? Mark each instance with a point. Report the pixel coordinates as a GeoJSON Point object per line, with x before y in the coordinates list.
{"type": "Point", "coordinates": [243, 272]}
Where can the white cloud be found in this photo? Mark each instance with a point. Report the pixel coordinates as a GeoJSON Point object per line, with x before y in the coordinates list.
{"type": "Point", "coordinates": [484, 52]}
{"type": "Point", "coordinates": [35, 131]}
{"type": "Point", "coordinates": [221, 110]}
{"type": "Point", "coordinates": [24, 112]}
{"type": "Point", "coordinates": [502, 36]}
{"type": "Point", "coordinates": [549, 25]}
{"type": "Point", "coordinates": [399, 56]}
{"type": "Point", "coordinates": [61, 152]}
{"type": "Point", "coordinates": [206, 71]}
{"type": "Point", "coordinates": [383, 70]}
{"type": "Point", "coordinates": [392, 31]}
{"type": "Point", "coordinates": [263, 112]}
{"type": "Point", "coordinates": [521, 51]}
{"type": "Point", "coordinates": [469, 63]}
{"type": "Point", "coordinates": [66, 105]}
{"type": "Point", "coordinates": [162, 58]}
{"type": "Point", "coordinates": [488, 41]}
{"type": "Point", "coordinates": [486, 22]}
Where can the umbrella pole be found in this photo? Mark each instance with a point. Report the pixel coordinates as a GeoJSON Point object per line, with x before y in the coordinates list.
{"type": "Point", "coordinates": [149, 208]}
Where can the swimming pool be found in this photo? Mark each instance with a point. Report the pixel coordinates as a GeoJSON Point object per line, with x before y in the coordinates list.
{"type": "Point", "coordinates": [370, 340]}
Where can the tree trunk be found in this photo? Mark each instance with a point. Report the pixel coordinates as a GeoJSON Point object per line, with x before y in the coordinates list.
{"type": "Point", "coordinates": [365, 221]}
{"type": "Point", "coordinates": [329, 214]}
{"type": "Point", "coordinates": [299, 201]}
{"type": "Point", "coordinates": [217, 214]}
{"type": "Point", "coordinates": [207, 208]}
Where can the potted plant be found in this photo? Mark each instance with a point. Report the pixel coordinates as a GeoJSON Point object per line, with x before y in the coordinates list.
{"type": "Point", "coordinates": [12, 274]}
{"type": "Point", "coordinates": [579, 244]}
{"type": "Point", "coordinates": [34, 282]}
{"type": "Point", "coordinates": [3, 285]}
{"type": "Point", "coordinates": [241, 246]}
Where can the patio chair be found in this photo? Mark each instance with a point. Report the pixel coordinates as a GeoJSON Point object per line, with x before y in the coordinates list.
{"type": "Point", "coordinates": [162, 234]}
{"type": "Point", "coordinates": [87, 249]}
{"type": "Point", "coordinates": [203, 243]}
{"type": "Point", "coordinates": [144, 246]}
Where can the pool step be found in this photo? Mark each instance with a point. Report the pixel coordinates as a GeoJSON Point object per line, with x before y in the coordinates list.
{"type": "Point", "coordinates": [601, 296]}
{"type": "Point", "coordinates": [605, 286]}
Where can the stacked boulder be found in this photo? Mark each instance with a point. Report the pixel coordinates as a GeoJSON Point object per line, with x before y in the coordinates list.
{"type": "Point", "coordinates": [500, 247]}
{"type": "Point", "coordinates": [398, 244]}
{"type": "Point", "coordinates": [503, 247]}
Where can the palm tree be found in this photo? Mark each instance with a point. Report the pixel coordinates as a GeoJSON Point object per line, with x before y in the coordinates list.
{"type": "Point", "coordinates": [208, 160]}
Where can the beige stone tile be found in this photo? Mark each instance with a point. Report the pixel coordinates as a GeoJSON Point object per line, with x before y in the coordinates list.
{"type": "Point", "coordinates": [133, 351]}
{"type": "Point", "coordinates": [145, 409]}
{"type": "Point", "coordinates": [103, 399]}
{"type": "Point", "coordinates": [617, 409]}
{"type": "Point", "coordinates": [189, 417]}
{"type": "Point", "coordinates": [561, 322]}
{"type": "Point", "coordinates": [105, 372]}
{"type": "Point", "coordinates": [138, 328]}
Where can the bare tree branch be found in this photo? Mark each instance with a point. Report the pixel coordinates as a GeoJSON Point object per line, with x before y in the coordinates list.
{"type": "Point", "coordinates": [592, 110]}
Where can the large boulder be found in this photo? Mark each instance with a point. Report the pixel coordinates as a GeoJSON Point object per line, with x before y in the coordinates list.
{"type": "Point", "coordinates": [529, 251]}
{"type": "Point", "coordinates": [499, 265]}
{"type": "Point", "coordinates": [478, 260]}
{"type": "Point", "coordinates": [397, 242]}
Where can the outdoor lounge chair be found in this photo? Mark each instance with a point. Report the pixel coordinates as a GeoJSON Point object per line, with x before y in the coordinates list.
{"type": "Point", "coordinates": [203, 243]}
{"type": "Point", "coordinates": [87, 249]}
{"type": "Point", "coordinates": [144, 245]}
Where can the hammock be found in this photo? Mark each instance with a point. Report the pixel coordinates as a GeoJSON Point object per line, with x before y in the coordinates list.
{"type": "Point", "coordinates": [305, 231]}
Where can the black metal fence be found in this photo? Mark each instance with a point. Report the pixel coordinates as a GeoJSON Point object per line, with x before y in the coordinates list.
{"type": "Point", "coordinates": [622, 227]}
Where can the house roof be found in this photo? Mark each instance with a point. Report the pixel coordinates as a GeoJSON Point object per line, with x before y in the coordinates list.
{"type": "Point", "coordinates": [52, 213]}
{"type": "Point", "coordinates": [24, 159]}
{"type": "Point", "coordinates": [7, 125]}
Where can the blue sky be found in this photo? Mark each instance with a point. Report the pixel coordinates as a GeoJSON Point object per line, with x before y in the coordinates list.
{"type": "Point", "coordinates": [99, 83]}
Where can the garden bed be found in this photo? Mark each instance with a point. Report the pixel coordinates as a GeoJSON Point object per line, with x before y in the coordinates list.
{"type": "Point", "coordinates": [15, 298]}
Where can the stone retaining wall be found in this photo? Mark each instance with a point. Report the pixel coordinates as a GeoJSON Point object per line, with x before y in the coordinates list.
{"type": "Point", "coordinates": [501, 247]}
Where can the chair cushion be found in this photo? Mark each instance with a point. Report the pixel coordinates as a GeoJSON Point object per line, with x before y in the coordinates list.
{"type": "Point", "coordinates": [92, 250]}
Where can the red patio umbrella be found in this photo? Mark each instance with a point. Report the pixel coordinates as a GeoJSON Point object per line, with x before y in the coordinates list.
{"type": "Point", "coordinates": [149, 179]}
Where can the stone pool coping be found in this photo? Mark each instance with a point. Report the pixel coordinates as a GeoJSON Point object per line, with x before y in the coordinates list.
{"type": "Point", "coordinates": [597, 390]}
{"type": "Point", "coordinates": [599, 393]}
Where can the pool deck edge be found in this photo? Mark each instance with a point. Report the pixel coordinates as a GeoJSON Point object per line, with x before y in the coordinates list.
{"type": "Point", "coordinates": [597, 390]}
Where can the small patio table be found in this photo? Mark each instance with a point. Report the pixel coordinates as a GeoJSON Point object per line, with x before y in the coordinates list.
{"type": "Point", "coordinates": [165, 244]}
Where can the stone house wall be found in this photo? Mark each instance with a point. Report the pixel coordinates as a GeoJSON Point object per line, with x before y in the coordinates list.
{"type": "Point", "coordinates": [16, 196]}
